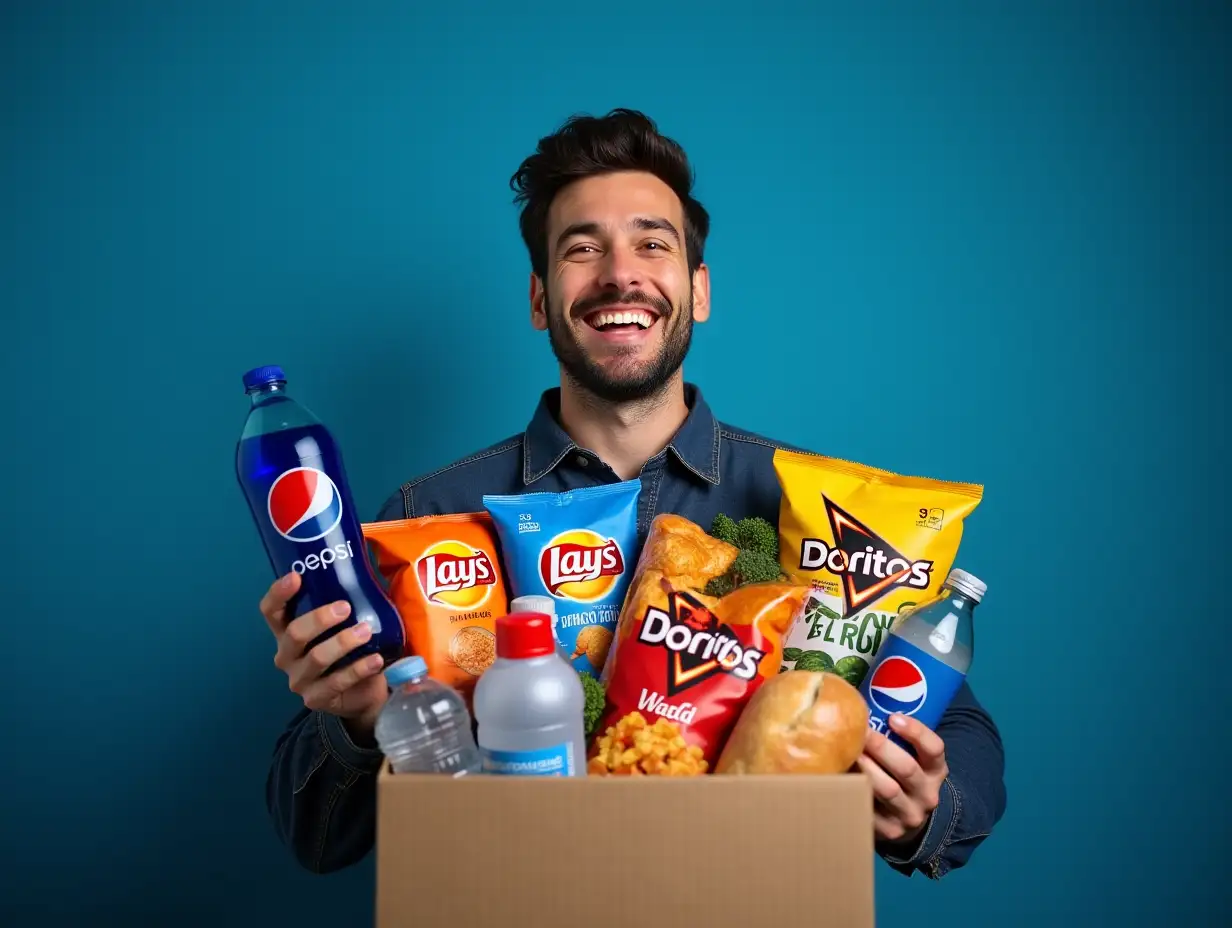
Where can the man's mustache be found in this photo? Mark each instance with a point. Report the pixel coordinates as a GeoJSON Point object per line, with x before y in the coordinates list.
{"type": "Point", "coordinates": [631, 298]}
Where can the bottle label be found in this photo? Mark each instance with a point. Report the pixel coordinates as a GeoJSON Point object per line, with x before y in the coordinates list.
{"type": "Point", "coordinates": [910, 681]}
{"type": "Point", "coordinates": [556, 761]}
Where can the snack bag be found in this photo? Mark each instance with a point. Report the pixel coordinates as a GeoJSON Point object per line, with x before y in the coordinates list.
{"type": "Point", "coordinates": [444, 577]}
{"type": "Point", "coordinates": [684, 663]}
{"type": "Point", "coordinates": [871, 543]}
{"type": "Point", "coordinates": [578, 548]}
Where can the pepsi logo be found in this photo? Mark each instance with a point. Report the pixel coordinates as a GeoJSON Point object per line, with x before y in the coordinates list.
{"type": "Point", "coordinates": [304, 504]}
{"type": "Point", "coordinates": [898, 685]}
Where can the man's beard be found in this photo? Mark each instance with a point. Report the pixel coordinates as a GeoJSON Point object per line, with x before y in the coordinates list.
{"type": "Point", "coordinates": [640, 385]}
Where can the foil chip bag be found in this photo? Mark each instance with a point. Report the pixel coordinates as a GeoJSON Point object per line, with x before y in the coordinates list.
{"type": "Point", "coordinates": [445, 580]}
{"type": "Point", "coordinates": [685, 663]}
{"type": "Point", "coordinates": [870, 543]}
{"type": "Point", "coordinates": [579, 548]}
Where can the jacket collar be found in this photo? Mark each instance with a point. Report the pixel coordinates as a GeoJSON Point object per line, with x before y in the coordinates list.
{"type": "Point", "coordinates": [695, 445]}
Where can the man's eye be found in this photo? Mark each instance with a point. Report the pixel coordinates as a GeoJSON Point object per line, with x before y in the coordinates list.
{"type": "Point", "coordinates": [582, 249]}
{"type": "Point", "coordinates": [656, 246]}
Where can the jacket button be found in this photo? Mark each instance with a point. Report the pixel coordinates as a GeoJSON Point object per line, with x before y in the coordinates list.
{"type": "Point", "coordinates": [582, 461]}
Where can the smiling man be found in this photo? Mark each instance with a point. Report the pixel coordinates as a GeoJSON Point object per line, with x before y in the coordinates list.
{"type": "Point", "coordinates": [616, 242]}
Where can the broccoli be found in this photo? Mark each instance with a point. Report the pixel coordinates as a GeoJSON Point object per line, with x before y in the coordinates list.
{"type": "Point", "coordinates": [724, 529]}
{"type": "Point", "coordinates": [758, 560]}
{"type": "Point", "coordinates": [596, 699]}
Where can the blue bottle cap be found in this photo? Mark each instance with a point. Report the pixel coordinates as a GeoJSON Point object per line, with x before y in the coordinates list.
{"type": "Point", "coordinates": [260, 376]}
{"type": "Point", "coordinates": [408, 668]}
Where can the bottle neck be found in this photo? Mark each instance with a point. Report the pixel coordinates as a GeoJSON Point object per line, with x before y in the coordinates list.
{"type": "Point", "coordinates": [262, 394]}
{"type": "Point", "coordinates": [961, 600]}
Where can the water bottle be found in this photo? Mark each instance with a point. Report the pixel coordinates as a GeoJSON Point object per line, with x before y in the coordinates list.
{"type": "Point", "coordinates": [925, 658]}
{"type": "Point", "coordinates": [547, 606]}
{"type": "Point", "coordinates": [424, 726]}
{"type": "Point", "coordinates": [529, 704]}
{"type": "Point", "coordinates": [291, 473]}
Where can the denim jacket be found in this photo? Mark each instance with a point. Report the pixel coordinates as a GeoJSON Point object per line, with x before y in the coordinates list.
{"type": "Point", "coordinates": [321, 788]}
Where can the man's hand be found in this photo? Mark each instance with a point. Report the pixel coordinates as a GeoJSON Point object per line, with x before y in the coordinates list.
{"type": "Point", "coordinates": [355, 693]}
{"type": "Point", "coordinates": [905, 790]}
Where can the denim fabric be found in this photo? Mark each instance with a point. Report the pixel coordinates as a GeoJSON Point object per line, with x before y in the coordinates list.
{"type": "Point", "coordinates": [321, 789]}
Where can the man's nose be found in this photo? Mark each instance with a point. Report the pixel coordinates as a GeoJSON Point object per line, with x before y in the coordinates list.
{"type": "Point", "coordinates": [620, 270]}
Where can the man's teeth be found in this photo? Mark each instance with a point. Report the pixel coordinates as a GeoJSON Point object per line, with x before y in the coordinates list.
{"type": "Point", "coordinates": [636, 317]}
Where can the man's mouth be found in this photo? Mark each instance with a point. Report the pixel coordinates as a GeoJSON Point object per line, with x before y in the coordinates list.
{"type": "Point", "coordinates": [627, 320]}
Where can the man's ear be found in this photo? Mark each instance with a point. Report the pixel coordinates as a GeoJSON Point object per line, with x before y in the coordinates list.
{"type": "Point", "coordinates": [701, 294]}
{"type": "Point", "coordinates": [538, 303]}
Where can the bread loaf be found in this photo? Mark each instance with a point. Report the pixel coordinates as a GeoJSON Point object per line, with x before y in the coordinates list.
{"type": "Point", "coordinates": [799, 721]}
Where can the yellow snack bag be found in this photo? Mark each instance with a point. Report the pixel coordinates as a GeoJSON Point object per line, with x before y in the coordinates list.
{"type": "Point", "coordinates": [870, 543]}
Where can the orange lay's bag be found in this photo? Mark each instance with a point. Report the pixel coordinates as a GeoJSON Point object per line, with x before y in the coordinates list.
{"type": "Point", "coordinates": [445, 580]}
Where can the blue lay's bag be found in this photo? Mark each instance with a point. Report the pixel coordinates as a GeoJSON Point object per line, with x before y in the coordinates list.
{"type": "Point", "coordinates": [576, 547]}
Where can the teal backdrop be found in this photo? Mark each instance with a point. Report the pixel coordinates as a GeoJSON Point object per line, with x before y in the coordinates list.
{"type": "Point", "coordinates": [981, 244]}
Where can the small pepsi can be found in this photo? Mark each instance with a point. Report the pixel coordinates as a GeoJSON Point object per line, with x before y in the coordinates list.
{"type": "Point", "coordinates": [925, 658]}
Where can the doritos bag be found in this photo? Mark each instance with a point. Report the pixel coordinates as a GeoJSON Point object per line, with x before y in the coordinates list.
{"type": "Point", "coordinates": [871, 543]}
{"type": "Point", "coordinates": [684, 664]}
{"type": "Point", "coordinates": [444, 578]}
{"type": "Point", "coordinates": [578, 548]}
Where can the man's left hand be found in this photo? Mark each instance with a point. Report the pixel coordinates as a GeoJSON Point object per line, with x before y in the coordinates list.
{"type": "Point", "coordinates": [905, 789]}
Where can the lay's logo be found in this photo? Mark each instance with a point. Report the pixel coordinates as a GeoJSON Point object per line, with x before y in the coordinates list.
{"type": "Point", "coordinates": [452, 573]}
{"type": "Point", "coordinates": [581, 565]}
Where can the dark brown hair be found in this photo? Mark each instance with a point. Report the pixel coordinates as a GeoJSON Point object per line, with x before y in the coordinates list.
{"type": "Point", "coordinates": [586, 146]}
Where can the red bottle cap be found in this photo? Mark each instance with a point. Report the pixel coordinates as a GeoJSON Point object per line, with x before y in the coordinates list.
{"type": "Point", "coordinates": [524, 634]}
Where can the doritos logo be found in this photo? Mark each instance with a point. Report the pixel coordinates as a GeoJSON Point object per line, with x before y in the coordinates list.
{"type": "Point", "coordinates": [868, 567]}
{"type": "Point", "coordinates": [697, 645]}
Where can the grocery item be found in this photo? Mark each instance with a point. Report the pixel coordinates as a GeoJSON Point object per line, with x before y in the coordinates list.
{"type": "Point", "coordinates": [444, 576]}
{"type": "Point", "coordinates": [684, 663]}
{"type": "Point", "coordinates": [800, 721]}
{"type": "Point", "coordinates": [291, 473]}
{"type": "Point", "coordinates": [926, 657]}
{"type": "Point", "coordinates": [871, 543]}
{"type": "Point", "coordinates": [529, 704]}
{"type": "Point", "coordinates": [546, 605]}
{"type": "Point", "coordinates": [424, 726]}
{"type": "Point", "coordinates": [578, 548]}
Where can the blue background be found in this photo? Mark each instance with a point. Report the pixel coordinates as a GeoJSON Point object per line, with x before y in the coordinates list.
{"type": "Point", "coordinates": [977, 244]}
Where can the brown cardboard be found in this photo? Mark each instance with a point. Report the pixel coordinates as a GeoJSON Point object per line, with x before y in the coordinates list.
{"type": "Point", "coordinates": [607, 852]}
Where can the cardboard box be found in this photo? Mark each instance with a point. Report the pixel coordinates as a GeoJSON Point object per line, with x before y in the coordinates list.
{"type": "Point", "coordinates": [609, 852]}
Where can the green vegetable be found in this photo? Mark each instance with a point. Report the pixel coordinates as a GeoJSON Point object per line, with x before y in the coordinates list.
{"type": "Point", "coordinates": [758, 560]}
{"type": "Point", "coordinates": [818, 661]}
{"type": "Point", "coordinates": [596, 698]}
{"type": "Point", "coordinates": [724, 528]}
{"type": "Point", "coordinates": [852, 669]}
{"type": "Point", "coordinates": [792, 654]}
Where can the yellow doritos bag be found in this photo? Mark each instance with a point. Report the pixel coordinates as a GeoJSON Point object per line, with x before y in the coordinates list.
{"type": "Point", "coordinates": [870, 543]}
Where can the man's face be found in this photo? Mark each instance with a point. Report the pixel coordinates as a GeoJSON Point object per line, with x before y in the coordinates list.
{"type": "Point", "coordinates": [619, 304]}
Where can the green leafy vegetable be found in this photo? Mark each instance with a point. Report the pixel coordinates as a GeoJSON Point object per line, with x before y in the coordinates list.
{"type": "Point", "coordinates": [596, 698]}
{"type": "Point", "coordinates": [758, 560]}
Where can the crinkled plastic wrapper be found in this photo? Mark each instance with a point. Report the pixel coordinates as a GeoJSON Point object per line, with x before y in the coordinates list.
{"type": "Point", "coordinates": [684, 664]}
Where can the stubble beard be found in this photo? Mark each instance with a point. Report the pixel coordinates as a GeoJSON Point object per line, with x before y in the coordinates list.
{"type": "Point", "coordinates": [647, 383]}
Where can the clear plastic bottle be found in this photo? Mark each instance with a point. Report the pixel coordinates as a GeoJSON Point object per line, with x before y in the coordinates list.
{"type": "Point", "coordinates": [529, 704]}
{"type": "Point", "coordinates": [547, 606]}
{"type": "Point", "coordinates": [424, 726]}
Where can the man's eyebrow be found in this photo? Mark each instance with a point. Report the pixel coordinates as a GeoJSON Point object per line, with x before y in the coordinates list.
{"type": "Point", "coordinates": [645, 223]}
{"type": "Point", "coordinates": [579, 228]}
{"type": "Point", "coordinates": [656, 223]}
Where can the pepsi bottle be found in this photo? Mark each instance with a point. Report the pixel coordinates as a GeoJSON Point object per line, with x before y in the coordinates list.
{"type": "Point", "coordinates": [291, 473]}
{"type": "Point", "coordinates": [925, 658]}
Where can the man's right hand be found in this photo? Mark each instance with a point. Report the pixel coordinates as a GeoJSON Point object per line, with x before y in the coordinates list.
{"type": "Point", "coordinates": [355, 693]}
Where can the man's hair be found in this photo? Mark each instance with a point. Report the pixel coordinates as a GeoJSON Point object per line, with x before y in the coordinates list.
{"type": "Point", "coordinates": [587, 146]}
